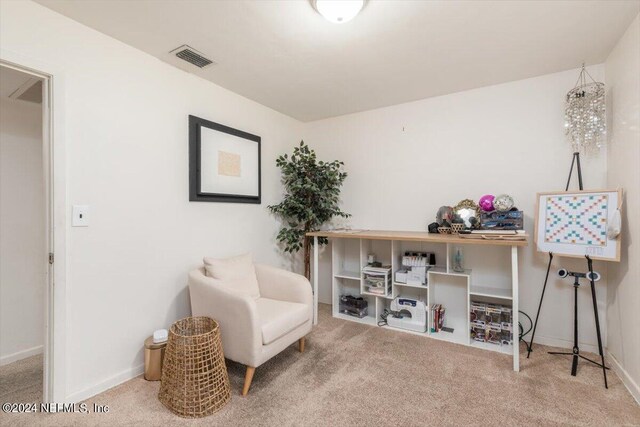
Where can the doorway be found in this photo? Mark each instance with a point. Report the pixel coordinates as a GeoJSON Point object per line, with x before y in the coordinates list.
{"type": "Point", "coordinates": [24, 236]}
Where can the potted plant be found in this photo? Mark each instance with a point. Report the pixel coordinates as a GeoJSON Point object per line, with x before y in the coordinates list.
{"type": "Point", "coordinates": [312, 197]}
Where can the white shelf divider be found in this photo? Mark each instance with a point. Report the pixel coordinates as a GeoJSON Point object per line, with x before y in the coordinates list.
{"type": "Point", "coordinates": [487, 291]}
{"type": "Point", "coordinates": [352, 275]}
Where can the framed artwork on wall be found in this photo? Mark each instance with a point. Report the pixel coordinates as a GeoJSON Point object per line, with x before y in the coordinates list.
{"type": "Point", "coordinates": [575, 224]}
{"type": "Point", "coordinates": [224, 163]}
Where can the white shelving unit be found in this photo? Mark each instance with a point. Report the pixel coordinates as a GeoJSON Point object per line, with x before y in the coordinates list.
{"type": "Point", "coordinates": [454, 290]}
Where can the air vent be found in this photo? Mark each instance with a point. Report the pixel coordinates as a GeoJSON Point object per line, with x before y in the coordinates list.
{"type": "Point", "coordinates": [192, 56]}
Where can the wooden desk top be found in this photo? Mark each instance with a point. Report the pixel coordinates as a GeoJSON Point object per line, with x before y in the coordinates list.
{"type": "Point", "coordinates": [422, 236]}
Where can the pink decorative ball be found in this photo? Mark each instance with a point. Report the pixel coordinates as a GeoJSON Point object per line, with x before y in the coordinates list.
{"type": "Point", "coordinates": [486, 202]}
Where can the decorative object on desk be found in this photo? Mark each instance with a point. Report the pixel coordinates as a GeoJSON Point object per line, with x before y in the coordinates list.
{"type": "Point", "coordinates": [312, 196]}
{"type": "Point", "coordinates": [224, 163]}
{"type": "Point", "coordinates": [486, 202]}
{"type": "Point", "coordinates": [445, 213]}
{"type": "Point", "coordinates": [194, 382]}
{"type": "Point", "coordinates": [510, 220]}
{"type": "Point", "coordinates": [433, 227]}
{"type": "Point", "coordinates": [444, 230]}
{"type": "Point", "coordinates": [575, 224]}
{"type": "Point", "coordinates": [468, 211]}
{"type": "Point", "coordinates": [458, 260]}
{"type": "Point", "coordinates": [457, 227]}
{"type": "Point", "coordinates": [503, 203]}
{"type": "Point", "coordinates": [585, 114]}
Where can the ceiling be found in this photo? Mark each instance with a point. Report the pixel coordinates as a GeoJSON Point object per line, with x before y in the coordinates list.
{"type": "Point", "coordinates": [286, 56]}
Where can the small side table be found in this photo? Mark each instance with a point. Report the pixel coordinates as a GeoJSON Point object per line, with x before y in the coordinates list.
{"type": "Point", "coordinates": [194, 381]}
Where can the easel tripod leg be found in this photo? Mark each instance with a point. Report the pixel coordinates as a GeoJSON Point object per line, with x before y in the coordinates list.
{"type": "Point", "coordinates": [576, 349]}
{"type": "Point", "coordinates": [595, 312]}
{"type": "Point", "coordinates": [535, 324]}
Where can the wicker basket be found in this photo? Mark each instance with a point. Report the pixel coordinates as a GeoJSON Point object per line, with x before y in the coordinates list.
{"type": "Point", "coordinates": [194, 381]}
{"type": "Point", "coordinates": [456, 227]}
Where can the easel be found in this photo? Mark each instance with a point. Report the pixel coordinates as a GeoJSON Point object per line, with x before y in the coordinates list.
{"type": "Point", "coordinates": [576, 350]}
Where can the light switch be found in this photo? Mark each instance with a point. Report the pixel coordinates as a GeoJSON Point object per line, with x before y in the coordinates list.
{"type": "Point", "coordinates": [80, 216]}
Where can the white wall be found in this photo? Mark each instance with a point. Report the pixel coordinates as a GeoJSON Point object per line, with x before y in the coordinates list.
{"type": "Point", "coordinates": [22, 242]}
{"type": "Point", "coordinates": [407, 160]}
{"type": "Point", "coordinates": [127, 146]}
{"type": "Point", "coordinates": [623, 95]}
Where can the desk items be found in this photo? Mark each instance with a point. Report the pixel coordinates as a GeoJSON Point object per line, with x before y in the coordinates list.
{"type": "Point", "coordinates": [353, 306]}
{"type": "Point", "coordinates": [491, 323]}
{"type": "Point", "coordinates": [490, 213]}
{"type": "Point", "coordinates": [408, 313]}
{"type": "Point", "coordinates": [486, 203]}
{"type": "Point", "coordinates": [414, 268]}
{"type": "Point", "coordinates": [437, 317]}
{"type": "Point", "coordinates": [377, 280]}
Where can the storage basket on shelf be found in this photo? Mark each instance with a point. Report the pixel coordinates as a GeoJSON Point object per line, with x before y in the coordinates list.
{"type": "Point", "coordinates": [194, 381]}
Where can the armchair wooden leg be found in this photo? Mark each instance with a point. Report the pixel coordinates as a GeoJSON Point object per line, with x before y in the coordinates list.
{"type": "Point", "coordinates": [301, 345]}
{"type": "Point", "coordinates": [248, 376]}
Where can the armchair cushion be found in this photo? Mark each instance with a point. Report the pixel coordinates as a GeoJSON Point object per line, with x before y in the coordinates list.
{"type": "Point", "coordinates": [237, 273]}
{"type": "Point", "coordinates": [277, 318]}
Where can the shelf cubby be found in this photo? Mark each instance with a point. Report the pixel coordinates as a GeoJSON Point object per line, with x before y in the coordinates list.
{"type": "Point", "coordinates": [352, 287]}
{"type": "Point", "coordinates": [451, 290]}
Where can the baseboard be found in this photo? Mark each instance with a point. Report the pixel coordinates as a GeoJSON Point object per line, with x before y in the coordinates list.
{"type": "Point", "coordinates": [10, 358]}
{"type": "Point", "coordinates": [105, 385]}
{"type": "Point", "coordinates": [631, 385]}
{"type": "Point", "coordinates": [562, 343]}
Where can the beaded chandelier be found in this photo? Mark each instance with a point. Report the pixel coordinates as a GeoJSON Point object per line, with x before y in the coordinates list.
{"type": "Point", "coordinates": [585, 118]}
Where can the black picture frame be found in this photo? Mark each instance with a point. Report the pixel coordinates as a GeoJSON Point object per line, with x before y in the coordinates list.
{"type": "Point", "coordinates": [195, 189]}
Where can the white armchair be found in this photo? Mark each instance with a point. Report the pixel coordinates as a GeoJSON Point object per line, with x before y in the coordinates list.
{"type": "Point", "coordinates": [255, 327]}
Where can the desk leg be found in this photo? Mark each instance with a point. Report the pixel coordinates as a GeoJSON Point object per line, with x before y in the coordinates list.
{"type": "Point", "coordinates": [315, 280]}
{"type": "Point", "coordinates": [515, 308]}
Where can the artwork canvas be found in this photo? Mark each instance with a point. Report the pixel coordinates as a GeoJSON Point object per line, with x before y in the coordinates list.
{"type": "Point", "coordinates": [224, 163]}
{"type": "Point", "coordinates": [575, 224]}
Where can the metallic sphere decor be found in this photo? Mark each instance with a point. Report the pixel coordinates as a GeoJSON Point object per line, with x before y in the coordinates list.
{"type": "Point", "coordinates": [585, 114]}
{"type": "Point", "coordinates": [503, 203]}
{"type": "Point", "coordinates": [486, 203]}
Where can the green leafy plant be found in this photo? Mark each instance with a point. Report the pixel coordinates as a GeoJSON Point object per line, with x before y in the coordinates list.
{"type": "Point", "coordinates": [312, 197]}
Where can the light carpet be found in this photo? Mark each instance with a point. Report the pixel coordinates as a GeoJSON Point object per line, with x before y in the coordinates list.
{"type": "Point", "coordinates": [21, 381]}
{"type": "Point", "coordinates": [353, 374]}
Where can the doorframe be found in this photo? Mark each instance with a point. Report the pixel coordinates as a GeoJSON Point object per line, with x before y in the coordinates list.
{"type": "Point", "coordinates": [54, 167]}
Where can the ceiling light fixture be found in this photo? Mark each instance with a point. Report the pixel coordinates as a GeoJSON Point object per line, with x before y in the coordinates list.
{"type": "Point", "coordinates": [338, 11]}
{"type": "Point", "coordinates": [585, 114]}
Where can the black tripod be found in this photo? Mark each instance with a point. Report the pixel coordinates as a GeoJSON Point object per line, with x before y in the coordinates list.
{"type": "Point", "coordinates": [591, 276]}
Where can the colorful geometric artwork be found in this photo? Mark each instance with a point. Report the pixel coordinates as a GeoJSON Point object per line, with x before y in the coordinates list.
{"type": "Point", "coordinates": [576, 224]}
{"type": "Point", "coordinates": [577, 219]}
